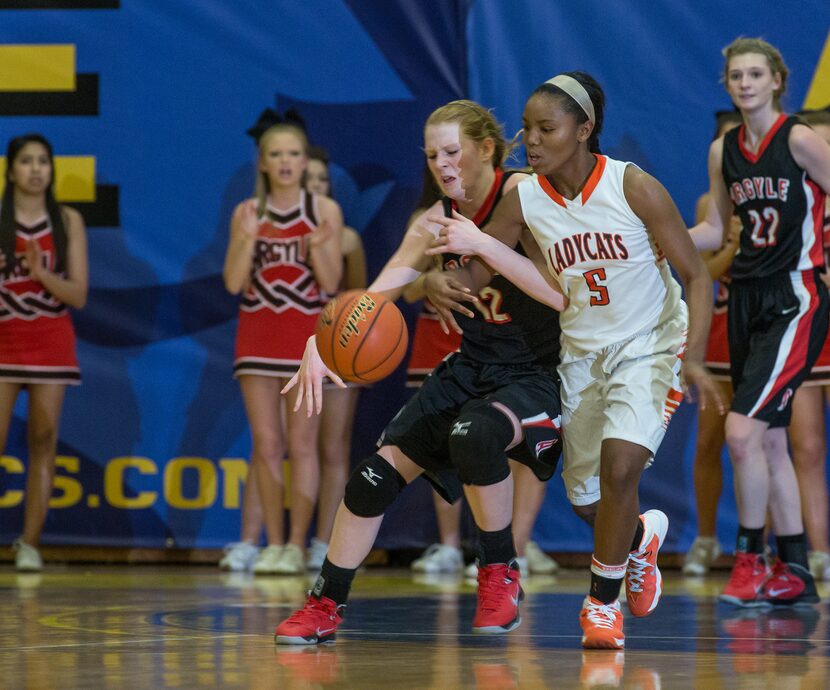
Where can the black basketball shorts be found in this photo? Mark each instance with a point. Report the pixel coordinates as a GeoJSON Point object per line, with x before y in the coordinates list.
{"type": "Point", "coordinates": [777, 327]}
{"type": "Point", "coordinates": [422, 427]}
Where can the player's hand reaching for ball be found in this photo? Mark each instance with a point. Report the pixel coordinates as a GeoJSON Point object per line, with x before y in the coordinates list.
{"type": "Point", "coordinates": [447, 295]}
{"type": "Point", "coordinates": [695, 376]}
{"type": "Point", "coordinates": [309, 380]}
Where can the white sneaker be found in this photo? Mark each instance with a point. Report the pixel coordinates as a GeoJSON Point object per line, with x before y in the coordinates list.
{"type": "Point", "coordinates": [291, 561]}
{"type": "Point", "coordinates": [538, 562]}
{"type": "Point", "coordinates": [27, 558]}
{"type": "Point", "coordinates": [819, 565]}
{"type": "Point", "coordinates": [701, 555]}
{"type": "Point", "coordinates": [471, 571]}
{"type": "Point", "coordinates": [316, 554]}
{"type": "Point", "coordinates": [267, 560]}
{"type": "Point", "coordinates": [439, 558]}
{"type": "Point", "coordinates": [239, 557]}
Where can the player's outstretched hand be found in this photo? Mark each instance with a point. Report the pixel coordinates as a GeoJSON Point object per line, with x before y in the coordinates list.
{"type": "Point", "coordinates": [696, 377]}
{"type": "Point", "coordinates": [458, 235]}
{"type": "Point", "coordinates": [447, 295]}
{"type": "Point", "coordinates": [309, 380]}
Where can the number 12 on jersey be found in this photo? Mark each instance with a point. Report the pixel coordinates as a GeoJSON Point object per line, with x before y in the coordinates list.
{"type": "Point", "coordinates": [599, 292]}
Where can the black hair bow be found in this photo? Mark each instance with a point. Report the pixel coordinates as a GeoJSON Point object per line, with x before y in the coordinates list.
{"type": "Point", "coordinates": [269, 117]}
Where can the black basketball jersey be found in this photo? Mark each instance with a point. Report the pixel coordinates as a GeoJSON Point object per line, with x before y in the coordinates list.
{"type": "Point", "coordinates": [780, 207]}
{"type": "Point", "coordinates": [509, 326]}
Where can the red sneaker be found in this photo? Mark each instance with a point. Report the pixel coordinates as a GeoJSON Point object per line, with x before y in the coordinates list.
{"type": "Point", "coordinates": [643, 582]}
{"type": "Point", "coordinates": [499, 594]}
{"type": "Point", "coordinates": [602, 625]}
{"type": "Point", "coordinates": [790, 585]}
{"type": "Point", "coordinates": [316, 622]}
{"type": "Point", "coordinates": [313, 664]}
{"type": "Point", "coordinates": [746, 582]}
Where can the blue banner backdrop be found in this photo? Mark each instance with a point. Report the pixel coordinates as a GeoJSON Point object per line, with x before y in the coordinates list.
{"type": "Point", "coordinates": [153, 445]}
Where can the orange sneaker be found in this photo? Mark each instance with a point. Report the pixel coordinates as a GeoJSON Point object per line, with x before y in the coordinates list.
{"type": "Point", "coordinates": [602, 669]}
{"type": "Point", "coordinates": [643, 582]}
{"type": "Point", "coordinates": [602, 625]}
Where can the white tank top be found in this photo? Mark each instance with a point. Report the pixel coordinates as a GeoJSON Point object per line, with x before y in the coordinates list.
{"type": "Point", "coordinates": [605, 260]}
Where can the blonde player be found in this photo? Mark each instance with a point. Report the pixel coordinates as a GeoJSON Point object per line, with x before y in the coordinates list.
{"type": "Point", "coordinates": [606, 229]}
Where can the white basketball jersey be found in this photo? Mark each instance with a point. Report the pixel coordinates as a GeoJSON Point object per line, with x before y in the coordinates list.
{"type": "Point", "coordinates": [617, 280]}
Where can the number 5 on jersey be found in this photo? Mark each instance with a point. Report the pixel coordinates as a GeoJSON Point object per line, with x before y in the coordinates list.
{"type": "Point", "coordinates": [599, 293]}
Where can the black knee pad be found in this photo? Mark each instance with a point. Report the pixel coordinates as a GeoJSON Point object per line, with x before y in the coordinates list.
{"type": "Point", "coordinates": [478, 440]}
{"type": "Point", "coordinates": [373, 487]}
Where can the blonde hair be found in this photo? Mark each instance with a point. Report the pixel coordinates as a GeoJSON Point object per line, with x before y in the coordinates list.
{"type": "Point", "coordinates": [263, 184]}
{"type": "Point", "coordinates": [775, 61]}
{"type": "Point", "coordinates": [477, 123]}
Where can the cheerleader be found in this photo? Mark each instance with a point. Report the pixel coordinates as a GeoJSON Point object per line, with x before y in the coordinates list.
{"type": "Point", "coordinates": [43, 272]}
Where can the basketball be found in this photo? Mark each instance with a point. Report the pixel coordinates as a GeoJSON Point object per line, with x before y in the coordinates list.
{"type": "Point", "coordinates": [361, 336]}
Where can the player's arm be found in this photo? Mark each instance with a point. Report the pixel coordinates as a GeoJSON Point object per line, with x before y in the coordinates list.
{"type": "Point", "coordinates": [812, 154]}
{"type": "Point", "coordinates": [495, 246]}
{"type": "Point", "coordinates": [652, 204]}
{"type": "Point", "coordinates": [406, 264]}
{"type": "Point", "coordinates": [239, 258]}
{"type": "Point", "coordinates": [73, 289]}
{"type": "Point", "coordinates": [326, 254]}
{"type": "Point", "coordinates": [409, 260]}
{"type": "Point", "coordinates": [719, 261]}
{"type": "Point", "coordinates": [711, 233]}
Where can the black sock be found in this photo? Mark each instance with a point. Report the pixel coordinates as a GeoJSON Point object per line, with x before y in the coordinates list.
{"type": "Point", "coordinates": [605, 589]}
{"type": "Point", "coordinates": [793, 549]}
{"type": "Point", "coordinates": [750, 540]}
{"type": "Point", "coordinates": [638, 536]}
{"type": "Point", "coordinates": [496, 547]}
{"type": "Point", "coordinates": [334, 582]}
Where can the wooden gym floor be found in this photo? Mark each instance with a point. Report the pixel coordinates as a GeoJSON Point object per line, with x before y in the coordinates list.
{"type": "Point", "coordinates": [83, 626]}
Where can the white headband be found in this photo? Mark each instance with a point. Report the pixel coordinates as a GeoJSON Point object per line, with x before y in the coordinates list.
{"type": "Point", "coordinates": [576, 91]}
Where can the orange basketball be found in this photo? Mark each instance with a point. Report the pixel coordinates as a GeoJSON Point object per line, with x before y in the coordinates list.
{"type": "Point", "coordinates": [361, 336]}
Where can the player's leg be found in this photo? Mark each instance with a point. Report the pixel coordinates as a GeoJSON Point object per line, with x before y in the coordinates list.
{"type": "Point", "coordinates": [262, 398]}
{"type": "Point", "coordinates": [807, 438]}
{"type": "Point", "coordinates": [638, 386]}
{"type": "Point", "coordinates": [478, 441]}
{"type": "Point", "coordinates": [373, 486]}
{"type": "Point", "coordinates": [335, 446]}
{"type": "Point", "coordinates": [781, 356]}
{"type": "Point", "coordinates": [708, 484]}
{"type": "Point", "coordinates": [745, 438]}
{"type": "Point", "coordinates": [45, 404]}
{"type": "Point", "coordinates": [528, 496]}
{"type": "Point", "coordinates": [790, 582]}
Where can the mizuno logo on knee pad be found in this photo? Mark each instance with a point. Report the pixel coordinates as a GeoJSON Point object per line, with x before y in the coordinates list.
{"type": "Point", "coordinates": [371, 475]}
{"type": "Point", "coordinates": [460, 428]}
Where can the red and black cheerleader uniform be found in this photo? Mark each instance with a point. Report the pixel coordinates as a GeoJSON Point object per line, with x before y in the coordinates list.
{"type": "Point", "coordinates": [37, 339]}
{"type": "Point", "coordinates": [280, 307]}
